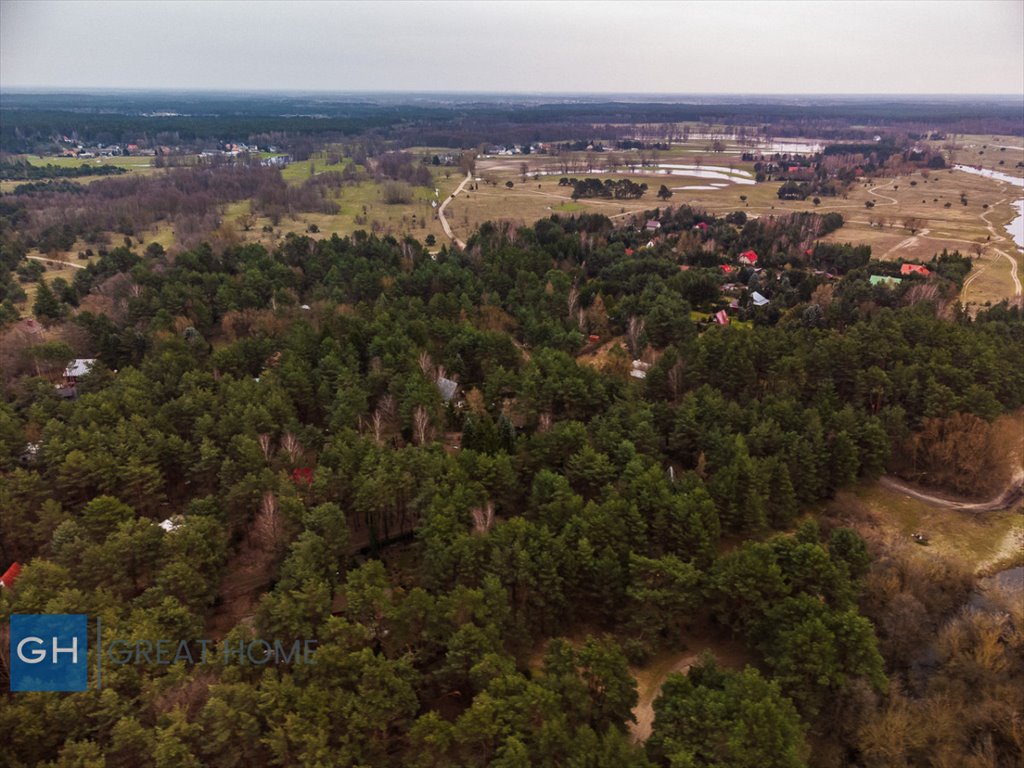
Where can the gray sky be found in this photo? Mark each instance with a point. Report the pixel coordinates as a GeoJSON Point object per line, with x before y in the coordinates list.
{"type": "Point", "coordinates": [971, 46]}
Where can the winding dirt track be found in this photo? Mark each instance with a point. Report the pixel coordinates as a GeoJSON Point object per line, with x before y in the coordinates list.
{"type": "Point", "coordinates": [995, 237]}
{"type": "Point", "coordinates": [1013, 494]}
{"type": "Point", "coordinates": [440, 211]}
{"type": "Point", "coordinates": [1013, 269]}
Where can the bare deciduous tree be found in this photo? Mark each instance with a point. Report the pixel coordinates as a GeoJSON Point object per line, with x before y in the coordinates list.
{"type": "Point", "coordinates": [265, 445]}
{"type": "Point", "coordinates": [483, 518]}
{"type": "Point", "coordinates": [427, 366]}
{"type": "Point", "coordinates": [634, 331]}
{"type": "Point", "coordinates": [267, 527]}
{"type": "Point", "coordinates": [675, 379]}
{"type": "Point", "coordinates": [291, 446]}
{"type": "Point", "coordinates": [420, 425]}
{"type": "Point", "coordinates": [913, 223]}
{"type": "Point", "coordinates": [382, 416]}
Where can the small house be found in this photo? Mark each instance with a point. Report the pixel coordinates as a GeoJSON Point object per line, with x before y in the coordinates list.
{"type": "Point", "coordinates": [172, 523]}
{"type": "Point", "coordinates": [302, 476]}
{"type": "Point", "coordinates": [77, 369]}
{"type": "Point", "coordinates": [68, 387]}
{"type": "Point", "coordinates": [748, 258]}
{"type": "Point", "coordinates": [914, 269]}
{"type": "Point", "coordinates": [10, 575]}
{"type": "Point", "coordinates": [721, 317]}
{"type": "Point", "coordinates": [30, 454]}
{"type": "Point", "coordinates": [758, 299]}
{"type": "Point", "coordinates": [447, 388]}
{"type": "Point", "coordinates": [653, 225]}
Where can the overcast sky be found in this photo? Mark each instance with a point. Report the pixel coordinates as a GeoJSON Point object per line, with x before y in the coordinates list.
{"type": "Point", "coordinates": [970, 46]}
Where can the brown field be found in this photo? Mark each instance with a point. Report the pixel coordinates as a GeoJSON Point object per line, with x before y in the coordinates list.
{"type": "Point", "coordinates": [920, 195]}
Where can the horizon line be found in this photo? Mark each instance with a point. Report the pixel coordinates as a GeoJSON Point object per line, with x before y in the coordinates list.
{"type": "Point", "coordinates": [76, 89]}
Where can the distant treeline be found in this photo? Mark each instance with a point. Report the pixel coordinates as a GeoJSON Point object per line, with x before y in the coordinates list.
{"type": "Point", "coordinates": [22, 170]}
{"type": "Point", "coordinates": [30, 120]}
{"type": "Point", "coordinates": [623, 189]}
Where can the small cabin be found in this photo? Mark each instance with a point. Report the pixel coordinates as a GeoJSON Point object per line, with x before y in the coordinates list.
{"type": "Point", "coordinates": [10, 576]}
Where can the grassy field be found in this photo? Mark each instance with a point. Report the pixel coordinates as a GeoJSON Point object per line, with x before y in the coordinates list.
{"type": "Point", "coordinates": [978, 539]}
{"type": "Point", "coordinates": [129, 163]}
{"type": "Point", "coordinates": [361, 205]}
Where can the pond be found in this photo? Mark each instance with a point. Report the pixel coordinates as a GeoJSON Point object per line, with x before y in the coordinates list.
{"type": "Point", "coordinates": [1015, 227]}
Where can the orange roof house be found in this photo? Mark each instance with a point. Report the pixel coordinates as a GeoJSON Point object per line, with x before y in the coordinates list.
{"type": "Point", "coordinates": [914, 269]}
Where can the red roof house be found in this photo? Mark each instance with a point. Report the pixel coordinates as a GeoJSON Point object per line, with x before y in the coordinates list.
{"type": "Point", "coordinates": [914, 269]}
{"type": "Point", "coordinates": [701, 225]}
{"type": "Point", "coordinates": [748, 257]}
{"type": "Point", "coordinates": [629, 251]}
{"type": "Point", "coordinates": [10, 575]}
{"type": "Point", "coordinates": [302, 475]}
{"type": "Point", "coordinates": [726, 268]}
{"type": "Point", "coordinates": [721, 317]}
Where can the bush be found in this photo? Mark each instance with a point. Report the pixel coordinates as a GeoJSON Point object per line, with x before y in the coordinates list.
{"type": "Point", "coordinates": [396, 193]}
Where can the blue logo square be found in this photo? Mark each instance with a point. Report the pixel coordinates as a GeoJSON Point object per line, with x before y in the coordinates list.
{"type": "Point", "coordinates": [49, 652]}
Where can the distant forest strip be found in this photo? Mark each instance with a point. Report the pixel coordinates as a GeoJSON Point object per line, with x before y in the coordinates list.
{"type": "Point", "coordinates": [31, 119]}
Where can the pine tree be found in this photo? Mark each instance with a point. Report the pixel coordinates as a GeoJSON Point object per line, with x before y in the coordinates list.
{"type": "Point", "coordinates": [47, 307]}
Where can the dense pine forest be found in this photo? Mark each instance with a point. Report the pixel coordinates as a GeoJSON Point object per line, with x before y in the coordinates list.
{"type": "Point", "coordinates": [491, 482]}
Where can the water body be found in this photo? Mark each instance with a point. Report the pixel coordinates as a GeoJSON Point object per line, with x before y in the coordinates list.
{"type": "Point", "coordinates": [989, 174]}
{"type": "Point", "coordinates": [762, 147]}
{"type": "Point", "coordinates": [1009, 584]}
{"type": "Point", "coordinates": [791, 146]}
{"type": "Point", "coordinates": [1015, 227]}
{"type": "Point", "coordinates": [715, 172]}
{"type": "Point", "coordinates": [717, 168]}
{"type": "Point", "coordinates": [707, 172]}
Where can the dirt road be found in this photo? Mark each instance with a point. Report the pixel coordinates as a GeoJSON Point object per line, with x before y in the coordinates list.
{"type": "Point", "coordinates": [56, 262]}
{"type": "Point", "coordinates": [644, 709]}
{"type": "Point", "coordinates": [1004, 500]}
{"type": "Point", "coordinates": [1013, 269]}
{"type": "Point", "coordinates": [440, 211]}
